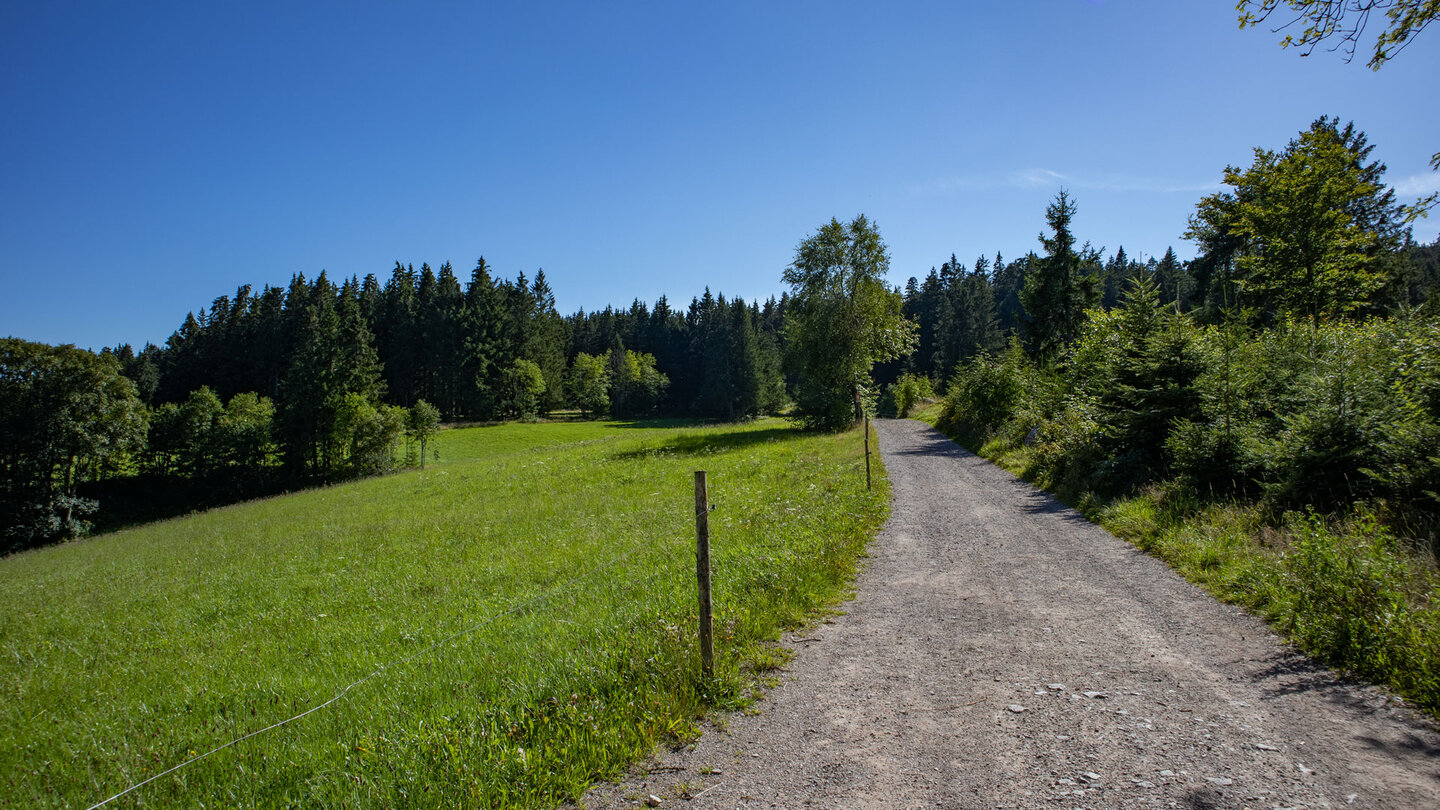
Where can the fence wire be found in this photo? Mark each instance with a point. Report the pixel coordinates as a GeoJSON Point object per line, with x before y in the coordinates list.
{"type": "Point", "coordinates": [514, 609]}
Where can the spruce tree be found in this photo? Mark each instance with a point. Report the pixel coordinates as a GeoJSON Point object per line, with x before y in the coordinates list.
{"type": "Point", "coordinates": [1151, 385]}
{"type": "Point", "coordinates": [1008, 280]}
{"type": "Point", "coordinates": [977, 326]}
{"type": "Point", "coordinates": [544, 342]}
{"type": "Point", "coordinates": [1174, 282]}
{"type": "Point", "coordinates": [484, 355]}
{"type": "Point", "coordinates": [1060, 287]}
{"type": "Point", "coordinates": [395, 334]}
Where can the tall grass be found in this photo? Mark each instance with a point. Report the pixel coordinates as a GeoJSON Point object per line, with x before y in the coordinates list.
{"type": "Point", "coordinates": [562, 555]}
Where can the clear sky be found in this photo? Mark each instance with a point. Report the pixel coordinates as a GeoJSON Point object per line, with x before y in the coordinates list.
{"type": "Point", "coordinates": [154, 156]}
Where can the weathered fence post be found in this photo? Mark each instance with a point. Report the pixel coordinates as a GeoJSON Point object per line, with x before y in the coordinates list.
{"type": "Point", "coordinates": [702, 573]}
{"type": "Point", "coordinates": [867, 451]}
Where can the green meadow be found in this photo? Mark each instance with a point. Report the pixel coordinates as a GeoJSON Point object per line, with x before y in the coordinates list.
{"type": "Point", "coordinates": [501, 628]}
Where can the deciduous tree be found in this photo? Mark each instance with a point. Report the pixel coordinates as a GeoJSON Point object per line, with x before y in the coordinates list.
{"type": "Point", "coordinates": [589, 384]}
{"type": "Point", "coordinates": [65, 415]}
{"type": "Point", "coordinates": [842, 319]}
{"type": "Point", "coordinates": [1306, 231]}
{"type": "Point", "coordinates": [523, 385]}
{"type": "Point", "coordinates": [423, 422]}
{"type": "Point", "coordinates": [1321, 20]}
{"type": "Point", "coordinates": [1347, 19]}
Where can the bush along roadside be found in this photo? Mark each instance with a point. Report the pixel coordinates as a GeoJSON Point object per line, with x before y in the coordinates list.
{"type": "Point", "coordinates": [1291, 471]}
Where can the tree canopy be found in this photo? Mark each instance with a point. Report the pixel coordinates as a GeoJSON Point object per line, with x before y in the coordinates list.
{"type": "Point", "coordinates": [1321, 20]}
{"type": "Point", "coordinates": [63, 411]}
{"type": "Point", "coordinates": [843, 319]}
{"type": "Point", "coordinates": [1306, 231]}
{"type": "Point", "coordinates": [1346, 19]}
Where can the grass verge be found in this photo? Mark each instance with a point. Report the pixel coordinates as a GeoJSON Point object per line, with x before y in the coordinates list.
{"type": "Point", "coordinates": [1343, 589]}
{"type": "Point", "coordinates": [563, 555]}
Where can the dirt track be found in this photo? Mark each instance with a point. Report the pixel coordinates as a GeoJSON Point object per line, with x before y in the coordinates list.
{"type": "Point", "coordinates": [1004, 652]}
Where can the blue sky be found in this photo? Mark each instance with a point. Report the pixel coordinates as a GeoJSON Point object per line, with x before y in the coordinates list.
{"type": "Point", "coordinates": [154, 156]}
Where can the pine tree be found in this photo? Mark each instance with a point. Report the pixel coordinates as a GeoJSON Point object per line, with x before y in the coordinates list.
{"type": "Point", "coordinates": [1007, 281]}
{"type": "Point", "coordinates": [484, 355]}
{"type": "Point", "coordinates": [977, 325]}
{"type": "Point", "coordinates": [270, 348]}
{"type": "Point", "coordinates": [1060, 288]}
{"type": "Point", "coordinates": [428, 336]}
{"type": "Point", "coordinates": [334, 358]}
{"type": "Point", "coordinates": [744, 360]}
{"type": "Point", "coordinates": [1152, 383]}
{"type": "Point", "coordinates": [1115, 279]}
{"type": "Point", "coordinates": [358, 362]}
{"type": "Point", "coordinates": [930, 308]}
{"type": "Point", "coordinates": [395, 335]}
{"type": "Point", "coordinates": [544, 342]}
{"type": "Point", "coordinates": [713, 347]}
{"type": "Point", "coordinates": [1174, 282]}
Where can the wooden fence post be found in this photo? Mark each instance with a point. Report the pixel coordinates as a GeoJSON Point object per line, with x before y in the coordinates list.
{"type": "Point", "coordinates": [702, 573]}
{"type": "Point", "coordinates": [867, 451]}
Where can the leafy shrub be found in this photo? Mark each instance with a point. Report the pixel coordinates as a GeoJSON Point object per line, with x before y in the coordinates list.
{"type": "Point", "coordinates": [906, 392]}
{"type": "Point", "coordinates": [1409, 443]}
{"type": "Point", "coordinates": [636, 386]}
{"type": "Point", "coordinates": [422, 422]}
{"type": "Point", "coordinates": [985, 393]}
{"type": "Point", "coordinates": [1069, 449]}
{"type": "Point", "coordinates": [588, 384]}
{"type": "Point", "coordinates": [65, 415]}
{"type": "Point", "coordinates": [369, 435]}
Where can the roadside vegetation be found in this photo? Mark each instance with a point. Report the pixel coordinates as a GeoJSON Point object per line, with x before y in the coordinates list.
{"type": "Point", "coordinates": [1308, 499]}
{"type": "Point", "coordinates": [1264, 417]}
{"type": "Point", "coordinates": [1291, 469]}
{"type": "Point", "coordinates": [562, 555]}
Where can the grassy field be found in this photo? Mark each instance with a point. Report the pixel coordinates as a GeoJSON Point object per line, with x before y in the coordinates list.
{"type": "Point", "coordinates": [562, 555]}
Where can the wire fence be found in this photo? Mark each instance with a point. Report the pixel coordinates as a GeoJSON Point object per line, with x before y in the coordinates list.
{"type": "Point", "coordinates": [570, 584]}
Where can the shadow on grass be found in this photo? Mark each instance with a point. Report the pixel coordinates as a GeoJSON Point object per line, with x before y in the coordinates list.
{"type": "Point", "coordinates": [699, 444]}
{"type": "Point", "coordinates": [137, 500]}
{"type": "Point", "coordinates": [662, 422]}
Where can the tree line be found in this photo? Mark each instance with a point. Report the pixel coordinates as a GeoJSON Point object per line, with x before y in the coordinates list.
{"type": "Point", "coordinates": [1286, 241]}
{"type": "Point", "coordinates": [1292, 363]}
{"type": "Point", "coordinates": [316, 382]}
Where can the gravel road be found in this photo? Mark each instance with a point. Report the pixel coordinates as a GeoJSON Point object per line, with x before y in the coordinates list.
{"type": "Point", "coordinates": [1003, 652]}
